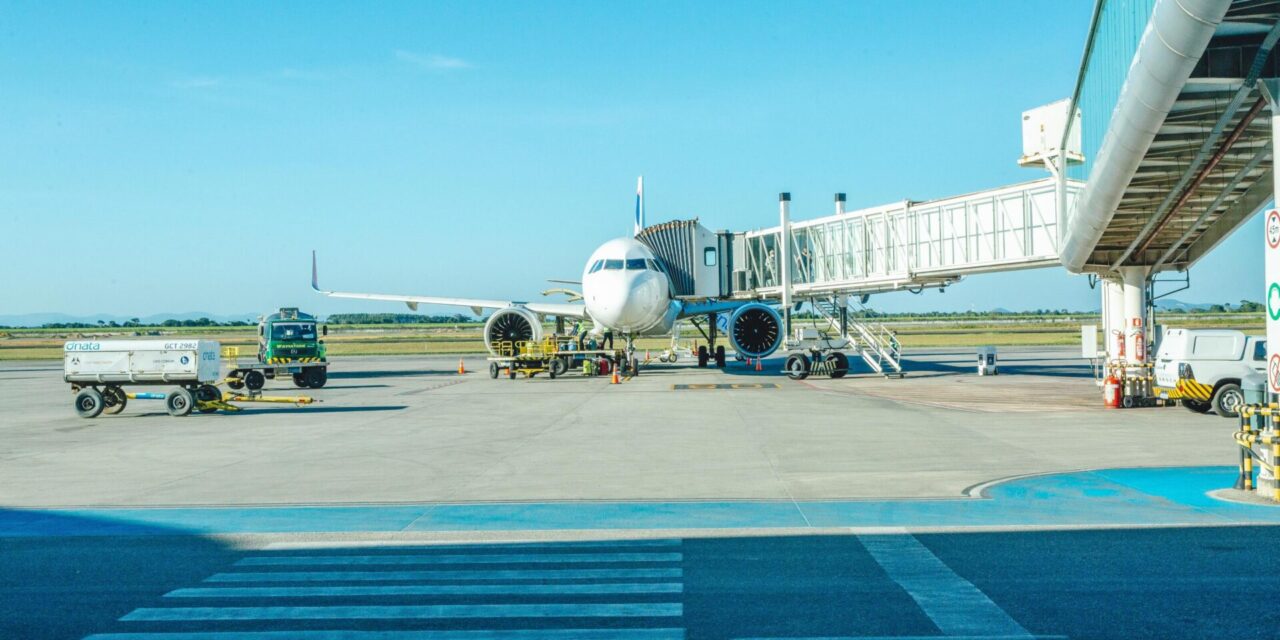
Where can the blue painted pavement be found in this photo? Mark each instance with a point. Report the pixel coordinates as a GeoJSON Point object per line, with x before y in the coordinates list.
{"type": "Point", "coordinates": [1162, 496]}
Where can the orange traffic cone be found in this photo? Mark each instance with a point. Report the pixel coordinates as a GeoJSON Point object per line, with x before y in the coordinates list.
{"type": "Point", "coordinates": [759, 367]}
{"type": "Point", "coordinates": [461, 369]}
{"type": "Point", "coordinates": [615, 379]}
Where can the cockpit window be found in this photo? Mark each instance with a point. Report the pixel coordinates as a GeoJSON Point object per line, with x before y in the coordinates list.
{"type": "Point", "coordinates": [635, 264]}
{"type": "Point", "coordinates": [613, 265]}
{"type": "Point", "coordinates": [596, 267]}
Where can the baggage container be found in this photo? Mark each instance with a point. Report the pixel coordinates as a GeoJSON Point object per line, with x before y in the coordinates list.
{"type": "Point", "coordinates": [178, 362]}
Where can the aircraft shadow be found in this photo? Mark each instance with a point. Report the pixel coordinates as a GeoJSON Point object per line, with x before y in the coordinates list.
{"type": "Point", "coordinates": [357, 386]}
{"type": "Point", "coordinates": [398, 373]}
{"type": "Point", "coordinates": [314, 409]}
{"type": "Point", "coordinates": [772, 367]}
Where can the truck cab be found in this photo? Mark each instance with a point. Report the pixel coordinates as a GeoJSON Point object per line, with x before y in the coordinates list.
{"type": "Point", "coordinates": [293, 340]}
{"type": "Point", "coordinates": [1203, 367]}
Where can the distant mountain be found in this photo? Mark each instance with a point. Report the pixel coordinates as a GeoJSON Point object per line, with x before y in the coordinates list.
{"type": "Point", "coordinates": [1170, 304]}
{"type": "Point", "coordinates": [38, 319]}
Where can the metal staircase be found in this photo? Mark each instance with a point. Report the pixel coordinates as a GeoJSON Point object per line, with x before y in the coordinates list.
{"type": "Point", "coordinates": [873, 342]}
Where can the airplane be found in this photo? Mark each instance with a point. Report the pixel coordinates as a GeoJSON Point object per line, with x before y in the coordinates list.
{"type": "Point", "coordinates": [626, 289]}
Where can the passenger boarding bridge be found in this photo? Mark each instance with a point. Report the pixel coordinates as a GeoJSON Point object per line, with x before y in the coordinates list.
{"type": "Point", "coordinates": [907, 245]}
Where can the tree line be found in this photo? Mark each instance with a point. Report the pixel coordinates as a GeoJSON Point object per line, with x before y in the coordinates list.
{"type": "Point", "coordinates": [397, 318]}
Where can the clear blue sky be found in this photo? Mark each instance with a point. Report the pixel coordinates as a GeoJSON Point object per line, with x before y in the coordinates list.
{"type": "Point", "coordinates": [168, 157]}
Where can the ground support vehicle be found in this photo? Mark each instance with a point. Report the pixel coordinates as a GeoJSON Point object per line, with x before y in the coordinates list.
{"type": "Point", "coordinates": [288, 345]}
{"type": "Point", "coordinates": [253, 375]}
{"type": "Point", "coordinates": [209, 401]}
{"type": "Point", "coordinates": [99, 371]}
{"type": "Point", "coordinates": [822, 347]}
{"type": "Point", "coordinates": [676, 351]}
{"type": "Point", "coordinates": [554, 356]}
{"type": "Point", "coordinates": [1202, 368]}
{"type": "Point", "coordinates": [813, 352]}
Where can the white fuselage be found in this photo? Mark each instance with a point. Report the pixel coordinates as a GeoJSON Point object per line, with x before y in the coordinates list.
{"type": "Point", "coordinates": [626, 289]}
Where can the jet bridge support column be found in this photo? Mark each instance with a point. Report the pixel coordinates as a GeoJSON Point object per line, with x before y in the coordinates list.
{"type": "Point", "coordinates": [1135, 313]}
{"type": "Point", "coordinates": [784, 259]}
{"type": "Point", "coordinates": [1113, 317]}
{"type": "Point", "coordinates": [1125, 299]}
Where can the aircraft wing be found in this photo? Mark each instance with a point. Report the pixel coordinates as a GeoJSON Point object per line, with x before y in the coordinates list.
{"type": "Point", "coordinates": [475, 304]}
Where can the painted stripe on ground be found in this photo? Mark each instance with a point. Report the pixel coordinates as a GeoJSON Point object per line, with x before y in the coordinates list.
{"type": "Point", "coordinates": [468, 546]}
{"type": "Point", "coordinates": [470, 558]}
{"type": "Point", "coordinates": [396, 576]}
{"type": "Point", "coordinates": [913, 638]}
{"type": "Point", "coordinates": [426, 590]}
{"type": "Point", "coordinates": [953, 603]}
{"type": "Point", "coordinates": [506, 634]}
{"type": "Point", "coordinates": [413, 612]}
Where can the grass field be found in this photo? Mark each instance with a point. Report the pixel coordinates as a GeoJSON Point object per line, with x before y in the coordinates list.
{"type": "Point", "coordinates": [351, 340]}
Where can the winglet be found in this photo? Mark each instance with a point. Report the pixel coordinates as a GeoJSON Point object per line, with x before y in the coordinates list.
{"type": "Point", "coordinates": [315, 279]}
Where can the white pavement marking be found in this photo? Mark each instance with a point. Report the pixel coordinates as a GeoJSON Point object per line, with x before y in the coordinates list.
{"type": "Point", "coordinates": [428, 590]}
{"type": "Point", "coordinates": [496, 544]}
{"type": "Point", "coordinates": [397, 576]}
{"type": "Point", "coordinates": [409, 612]}
{"type": "Point", "coordinates": [468, 558]}
{"type": "Point", "coordinates": [1018, 637]}
{"type": "Point", "coordinates": [505, 634]}
{"type": "Point", "coordinates": [953, 603]}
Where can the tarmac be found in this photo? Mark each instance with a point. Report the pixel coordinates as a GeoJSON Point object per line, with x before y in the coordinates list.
{"type": "Point", "coordinates": [410, 430]}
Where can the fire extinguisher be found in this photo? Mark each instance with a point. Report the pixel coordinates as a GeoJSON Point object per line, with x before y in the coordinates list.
{"type": "Point", "coordinates": [1119, 344]}
{"type": "Point", "coordinates": [1111, 391]}
{"type": "Point", "coordinates": [1139, 346]}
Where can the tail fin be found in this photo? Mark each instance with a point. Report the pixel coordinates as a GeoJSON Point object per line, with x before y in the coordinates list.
{"type": "Point", "coordinates": [639, 205]}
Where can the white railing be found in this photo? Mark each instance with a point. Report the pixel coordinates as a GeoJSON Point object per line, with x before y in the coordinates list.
{"type": "Point", "coordinates": [909, 244]}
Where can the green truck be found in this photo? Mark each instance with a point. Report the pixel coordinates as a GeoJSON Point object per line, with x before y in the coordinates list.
{"type": "Point", "coordinates": [289, 344]}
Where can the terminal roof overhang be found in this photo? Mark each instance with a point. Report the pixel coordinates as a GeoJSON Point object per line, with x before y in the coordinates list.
{"type": "Point", "coordinates": [1208, 167]}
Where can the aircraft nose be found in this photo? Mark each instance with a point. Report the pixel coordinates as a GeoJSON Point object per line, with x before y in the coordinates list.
{"type": "Point", "coordinates": [608, 306]}
{"type": "Point", "coordinates": [626, 307]}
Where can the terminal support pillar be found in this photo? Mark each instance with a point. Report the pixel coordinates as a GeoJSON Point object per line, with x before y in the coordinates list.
{"type": "Point", "coordinates": [1271, 250]}
{"type": "Point", "coordinates": [1268, 485]}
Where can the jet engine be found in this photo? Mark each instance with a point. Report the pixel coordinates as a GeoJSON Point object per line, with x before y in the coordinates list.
{"type": "Point", "coordinates": [511, 325]}
{"type": "Point", "coordinates": [755, 330]}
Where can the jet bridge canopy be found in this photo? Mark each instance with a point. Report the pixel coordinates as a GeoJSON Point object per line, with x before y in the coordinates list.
{"type": "Point", "coordinates": [1176, 131]}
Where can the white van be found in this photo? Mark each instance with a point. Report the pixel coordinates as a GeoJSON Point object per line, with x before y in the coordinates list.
{"type": "Point", "coordinates": [1204, 367]}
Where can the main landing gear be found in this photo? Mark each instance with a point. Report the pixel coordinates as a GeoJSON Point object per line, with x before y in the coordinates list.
{"type": "Point", "coordinates": [710, 351]}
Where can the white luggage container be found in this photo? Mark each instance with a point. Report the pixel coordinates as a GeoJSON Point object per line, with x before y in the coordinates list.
{"type": "Point", "coordinates": [97, 370]}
